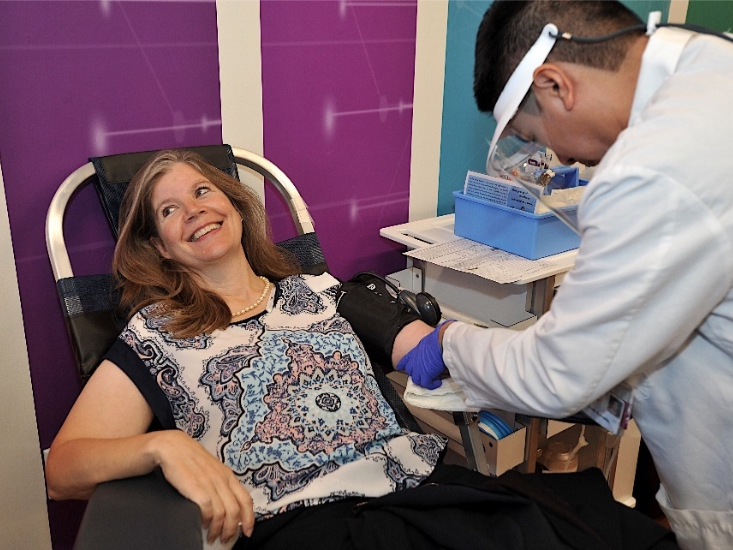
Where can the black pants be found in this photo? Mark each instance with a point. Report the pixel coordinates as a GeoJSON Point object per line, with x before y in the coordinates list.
{"type": "Point", "coordinates": [459, 509]}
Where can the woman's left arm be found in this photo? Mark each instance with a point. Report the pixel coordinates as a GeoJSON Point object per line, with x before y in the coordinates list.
{"type": "Point", "coordinates": [385, 326]}
{"type": "Point", "coordinates": [408, 338]}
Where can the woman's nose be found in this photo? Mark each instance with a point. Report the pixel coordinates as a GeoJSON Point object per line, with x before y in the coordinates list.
{"type": "Point", "coordinates": [192, 209]}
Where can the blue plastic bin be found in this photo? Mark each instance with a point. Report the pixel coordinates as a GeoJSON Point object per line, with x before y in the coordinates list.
{"type": "Point", "coordinates": [525, 234]}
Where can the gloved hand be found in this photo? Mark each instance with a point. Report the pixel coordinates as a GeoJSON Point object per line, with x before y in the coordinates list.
{"type": "Point", "coordinates": [424, 363]}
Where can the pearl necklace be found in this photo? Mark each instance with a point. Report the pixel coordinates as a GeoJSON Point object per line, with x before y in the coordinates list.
{"type": "Point", "coordinates": [259, 300]}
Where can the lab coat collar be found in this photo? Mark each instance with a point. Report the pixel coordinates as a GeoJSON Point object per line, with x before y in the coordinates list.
{"type": "Point", "coordinates": [658, 62]}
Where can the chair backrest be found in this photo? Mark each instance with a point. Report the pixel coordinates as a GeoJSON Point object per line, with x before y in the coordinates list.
{"type": "Point", "coordinates": [114, 173]}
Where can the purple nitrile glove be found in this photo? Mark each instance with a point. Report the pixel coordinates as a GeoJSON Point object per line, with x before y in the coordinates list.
{"type": "Point", "coordinates": [424, 363]}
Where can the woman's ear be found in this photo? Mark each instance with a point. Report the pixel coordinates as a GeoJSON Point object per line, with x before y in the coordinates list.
{"type": "Point", "coordinates": [553, 83]}
{"type": "Point", "coordinates": [157, 243]}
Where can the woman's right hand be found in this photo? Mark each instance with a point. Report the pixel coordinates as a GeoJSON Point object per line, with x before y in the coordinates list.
{"type": "Point", "coordinates": [105, 437]}
{"type": "Point", "coordinates": [203, 479]}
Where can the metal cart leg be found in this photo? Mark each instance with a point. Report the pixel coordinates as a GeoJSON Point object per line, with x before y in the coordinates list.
{"type": "Point", "coordinates": [471, 436]}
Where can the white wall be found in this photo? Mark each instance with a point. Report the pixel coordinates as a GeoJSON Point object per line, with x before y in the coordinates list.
{"type": "Point", "coordinates": [427, 110]}
{"type": "Point", "coordinates": [240, 80]}
{"type": "Point", "coordinates": [678, 11]}
{"type": "Point", "coordinates": [23, 516]}
{"type": "Point", "coordinates": [240, 69]}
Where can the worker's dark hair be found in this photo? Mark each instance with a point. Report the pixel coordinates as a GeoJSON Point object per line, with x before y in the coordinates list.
{"type": "Point", "coordinates": [509, 28]}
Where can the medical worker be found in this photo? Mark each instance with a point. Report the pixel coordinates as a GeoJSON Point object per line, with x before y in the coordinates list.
{"type": "Point", "coordinates": [650, 299]}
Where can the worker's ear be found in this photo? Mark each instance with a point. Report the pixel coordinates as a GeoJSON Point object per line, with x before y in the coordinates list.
{"type": "Point", "coordinates": [552, 83]}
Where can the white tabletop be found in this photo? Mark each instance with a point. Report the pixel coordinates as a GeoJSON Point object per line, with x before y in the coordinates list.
{"type": "Point", "coordinates": [433, 231]}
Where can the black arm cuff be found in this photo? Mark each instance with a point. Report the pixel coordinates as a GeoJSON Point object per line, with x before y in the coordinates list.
{"type": "Point", "coordinates": [376, 315]}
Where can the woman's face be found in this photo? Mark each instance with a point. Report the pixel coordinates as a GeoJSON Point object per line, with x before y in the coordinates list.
{"type": "Point", "coordinates": [198, 226]}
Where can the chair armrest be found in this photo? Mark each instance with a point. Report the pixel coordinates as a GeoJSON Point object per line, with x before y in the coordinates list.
{"type": "Point", "coordinates": [139, 513]}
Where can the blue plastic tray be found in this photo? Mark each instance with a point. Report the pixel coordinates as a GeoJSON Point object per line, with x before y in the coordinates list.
{"type": "Point", "coordinates": [526, 234]}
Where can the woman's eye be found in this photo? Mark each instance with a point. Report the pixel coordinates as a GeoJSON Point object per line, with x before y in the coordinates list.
{"type": "Point", "coordinates": [166, 211]}
{"type": "Point", "coordinates": [202, 190]}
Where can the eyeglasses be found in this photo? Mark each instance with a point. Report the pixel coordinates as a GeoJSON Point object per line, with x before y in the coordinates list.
{"type": "Point", "coordinates": [517, 158]}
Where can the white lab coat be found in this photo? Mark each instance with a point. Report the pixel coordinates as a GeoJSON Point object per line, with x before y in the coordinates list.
{"type": "Point", "coordinates": [650, 297]}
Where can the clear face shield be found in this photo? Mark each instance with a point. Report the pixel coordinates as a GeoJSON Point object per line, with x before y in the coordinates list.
{"type": "Point", "coordinates": [510, 157]}
{"type": "Point", "coordinates": [517, 159]}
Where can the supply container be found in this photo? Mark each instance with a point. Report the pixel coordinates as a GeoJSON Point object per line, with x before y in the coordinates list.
{"type": "Point", "coordinates": [559, 457]}
{"type": "Point", "coordinates": [525, 234]}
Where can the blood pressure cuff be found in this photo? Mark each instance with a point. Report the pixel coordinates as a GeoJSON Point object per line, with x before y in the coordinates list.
{"type": "Point", "coordinates": [375, 314]}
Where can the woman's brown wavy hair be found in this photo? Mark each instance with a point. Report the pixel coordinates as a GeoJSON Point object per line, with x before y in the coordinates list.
{"type": "Point", "coordinates": [144, 277]}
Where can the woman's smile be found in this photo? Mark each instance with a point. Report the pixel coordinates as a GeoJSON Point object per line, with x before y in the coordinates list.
{"type": "Point", "coordinates": [203, 231]}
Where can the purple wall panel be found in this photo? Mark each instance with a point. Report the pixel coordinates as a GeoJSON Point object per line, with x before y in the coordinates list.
{"type": "Point", "coordinates": [80, 79]}
{"type": "Point", "coordinates": [337, 93]}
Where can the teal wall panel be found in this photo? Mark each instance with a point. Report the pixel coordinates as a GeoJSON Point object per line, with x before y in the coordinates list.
{"type": "Point", "coordinates": [465, 130]}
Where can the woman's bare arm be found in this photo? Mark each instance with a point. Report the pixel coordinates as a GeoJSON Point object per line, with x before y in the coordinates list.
{"type": "Point", "coordinates": [104, 438]}
{"type": "Point", "coordinates": [408, 338]}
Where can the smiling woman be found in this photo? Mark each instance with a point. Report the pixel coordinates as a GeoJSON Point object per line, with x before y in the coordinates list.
{"type": "Point", "coordinates": [194, 241]}
{"type": "Point", "coordinates": [198, 226]}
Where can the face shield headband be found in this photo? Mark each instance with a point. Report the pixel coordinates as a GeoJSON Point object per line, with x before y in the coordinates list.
{"type": "Point", "coordinates": [519, 83]}
{"type": "Point", "coordinates": [511, 157]}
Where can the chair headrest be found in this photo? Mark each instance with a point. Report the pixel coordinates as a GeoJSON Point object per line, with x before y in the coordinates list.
{"type": "Point", "coordinates": [114, 173]}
